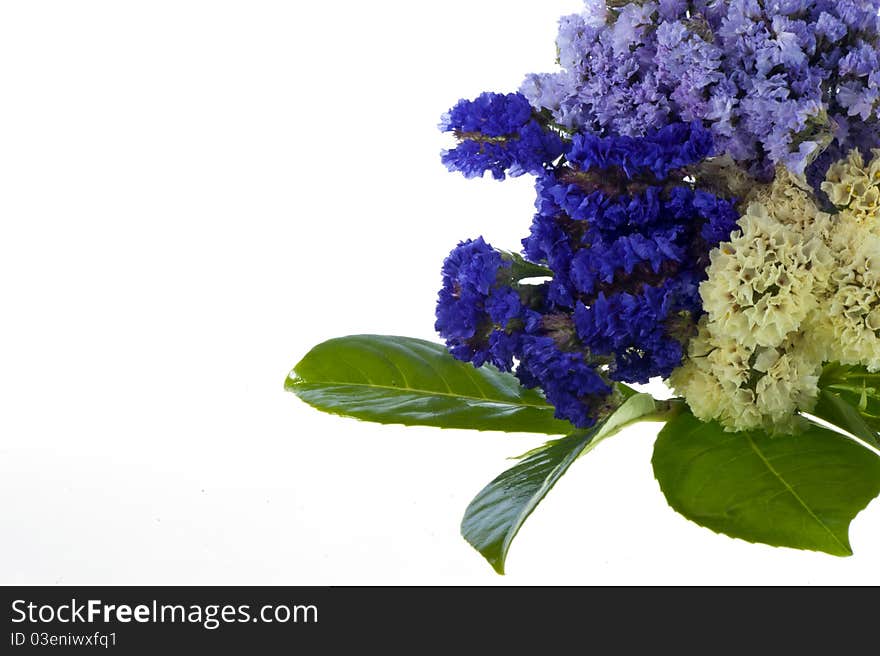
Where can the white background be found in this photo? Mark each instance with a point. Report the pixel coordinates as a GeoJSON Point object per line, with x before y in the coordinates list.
{"type": "Point", "coordinates": [193, 194]}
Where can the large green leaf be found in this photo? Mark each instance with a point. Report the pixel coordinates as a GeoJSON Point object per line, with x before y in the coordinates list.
{"type": "Point", "coordinates": [401, 380]}
{"type": "Point", "coordinates": [496, 514]}
{"type": "Point", "coordinates": [856, 386]}
{"type": "Point", "coordinates": [797, 491]}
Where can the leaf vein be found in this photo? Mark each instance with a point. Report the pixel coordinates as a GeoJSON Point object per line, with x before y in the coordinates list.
{"type": "Point", "coordinates": [793, 493]}
{"type": "Point", "coordinates": [508, 402]}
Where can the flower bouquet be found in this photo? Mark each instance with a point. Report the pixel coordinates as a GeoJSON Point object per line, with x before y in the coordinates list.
{"type": "Point", "coordinates": [708, 213]}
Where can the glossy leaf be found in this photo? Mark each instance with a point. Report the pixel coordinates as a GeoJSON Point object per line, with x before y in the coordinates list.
{"type": "Point", "coordinates": [520, 268]}
{"type": "Point", "coordinates": [797, 491]}
{"type": "Point", "coordinates": [494, 517]}
{"type": "Point", "coordinates": [401, 380]}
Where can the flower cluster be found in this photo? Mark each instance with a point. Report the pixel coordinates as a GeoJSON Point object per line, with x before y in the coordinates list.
{"type": "Point", "coordinates": [626, 242]}
{"type": "Point", "coordinates": [708, 208]}
{"type": "Point", "coordinates": [752, 365]}
{"type": "Point", "coordinates": [775, 81]}
{"type": "Point", "coordinates": [478, 309]}
{"type": "Point", "coordinates": [794, 288]}
{"type": "Point", "coordinates": [852, 320]}
{"type": "Point", "coordinates": [854, 187]}
{"type": "Point", "coordinates": [497, 133]}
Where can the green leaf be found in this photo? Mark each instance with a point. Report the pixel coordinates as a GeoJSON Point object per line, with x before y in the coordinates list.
{"type": "Point", "coordinates": [496, 514]}
{"type": "Point", "coordinates": [520, 268]}
{"type": "Point", "coordinates": [856, 386]}
{"type": "Point", "coordinates": [798, 491]}
{"type": "Point", "coordinates": [401, 380]}
{"type": "Point", "coordinates": [832, 408]}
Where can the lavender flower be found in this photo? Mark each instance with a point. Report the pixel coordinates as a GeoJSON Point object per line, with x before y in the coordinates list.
{"type": "Point", "coordinates": [775, 82]}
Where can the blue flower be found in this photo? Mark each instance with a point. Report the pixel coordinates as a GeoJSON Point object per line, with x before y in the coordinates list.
{"type": "Point", "coordinates": [497, 133]}
{"type": "Point", "coordinates": [627, 242]}
{"type": "Point", "coordinates": [637, 329]}
{"type": "Point", "coordinates": [491, 115]}
{"type": "Point", "coordinates": [472, 305]}
{"type": "Point", "coordinates": [569, 382]}
{"type": "Point", "coordinates": [481, 308]}
{"type": "Point", "coordinates": [657, 154]}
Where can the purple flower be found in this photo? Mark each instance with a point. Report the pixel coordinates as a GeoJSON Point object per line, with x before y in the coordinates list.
{"type": "Point", "coordinates": [770, 80]}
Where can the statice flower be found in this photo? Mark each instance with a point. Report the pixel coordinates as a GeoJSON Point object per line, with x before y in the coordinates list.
{"type": "Point", "coordinates": [745, 387]}
{"type": "Point", "coordinates": [628, 241]}
{"type": "Point", "coordinates": [776, 82]}
{"type": "Point", "coordinates": [497, 133]}
{"type": "Point", "coordinates": [792, 289]}
{"type": "Point", "coordinates": [657, 154]}
{"type": "Point", "coordinates": [570, 381]}
{"type": "Point", "coordinates": [756, 361]}
{"type": "Point", "coordinates": [850, 328]}
{"type": "Point", "coordinates": [853, 187]}
{"type": "Point", "coordinates": [625, 241]}
{"type": "Point", "coordinates": [761, 283]}
{"type": "Point", "coordinates": [478, 308]}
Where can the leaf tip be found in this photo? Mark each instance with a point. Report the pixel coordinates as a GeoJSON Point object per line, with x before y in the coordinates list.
{"type": "Point", "coordinates": [490, 552]}
{"type": "Point", "coordinates": [497, 561]}
{"type": "Point", "coordinates": [841, 547]}
{"type": "Point", "coordinates": [291, 382]}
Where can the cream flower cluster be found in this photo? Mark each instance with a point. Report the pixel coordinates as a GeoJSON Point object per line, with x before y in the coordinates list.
{"type": "Point", "coordinates": [795, 287]}
{"type": "Point", "coordinates": [854, 187]}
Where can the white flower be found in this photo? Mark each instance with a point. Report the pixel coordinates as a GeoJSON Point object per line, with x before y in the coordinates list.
{"type": "Point", "coordinates": [747, 388]}
{"type": "Point", "coordinates": [761, 285]}
{"type": "Point", "coordinates": [854, 187]}
{"type": "Point", "coordinates": [852, 323]}
{"type": "Point", "coordinates": [794, 288]}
